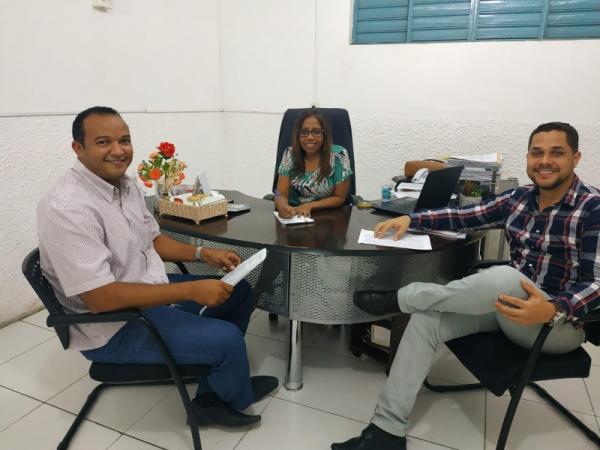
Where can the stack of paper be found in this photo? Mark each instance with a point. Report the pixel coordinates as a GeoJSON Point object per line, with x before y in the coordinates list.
{"type": "Point", "coordinates": [478, 167]}
{"type": "Point", "coordinates": [294, 220]}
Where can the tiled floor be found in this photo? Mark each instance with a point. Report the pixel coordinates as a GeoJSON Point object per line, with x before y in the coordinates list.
{"type": "Point", "coordinates": [41, 386]}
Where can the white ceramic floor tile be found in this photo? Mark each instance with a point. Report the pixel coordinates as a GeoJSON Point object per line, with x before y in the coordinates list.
{"type": "Point", "coordinates": [129, 443]}
{"type": "Point", "coordinates": [14, 406]}
{"type": "Point", "coordinates": [43, 371]}
{"type": "Point", "coordinates": [593, 386]}
{"type": "Point", "coordinates": [290, 426]}
{"type": "Point", "coordinates": [535, 426]}
{"type": "Point", "coordinates": [266, 356]}
{"type": "Point", "coordinates": [571, 392]}
{"type": "Point", "coordinates": [452, 419]}
{"type": "Point", "coordinates": [261, 326]}
{"type": "Point", "coordinates": [39, 319]}
{"type": "Point", "coordinates": [255, 313]}
{"type": "Point", "coordinates": [19, 337]}
{"type": "Point", "coordinates": [165, 426]}
{"type": "Point", "coordinates": [44, 428]}
{"type": "Point", "coordinates": [348, 387]}
{"type": "Point", "coordinates": [116, 407]}
{"type": "Point", "coordinates": [594, 352]}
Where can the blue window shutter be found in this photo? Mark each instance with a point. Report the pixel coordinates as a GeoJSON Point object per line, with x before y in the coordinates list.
{"type": "Point", "coordinates": [396, 21]}
{"type": "Point", "coordinates": [509, 19]}
{"type": "Point", "coordinates": [568, 19]}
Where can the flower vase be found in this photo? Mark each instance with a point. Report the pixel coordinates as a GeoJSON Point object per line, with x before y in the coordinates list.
{"type": "Point", "coordinates": [162, 190]}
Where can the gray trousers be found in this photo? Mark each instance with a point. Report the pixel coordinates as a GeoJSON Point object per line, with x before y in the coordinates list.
{"type": "Point", "coordinates": [441, 313]}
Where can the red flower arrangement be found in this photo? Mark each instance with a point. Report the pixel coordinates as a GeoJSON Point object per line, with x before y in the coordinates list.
{"type": "Point", "coordinates": [162, 167]}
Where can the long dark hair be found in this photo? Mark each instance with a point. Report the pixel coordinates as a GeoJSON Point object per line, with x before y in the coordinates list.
{"type": "Point", "coordinates": [298, 152]}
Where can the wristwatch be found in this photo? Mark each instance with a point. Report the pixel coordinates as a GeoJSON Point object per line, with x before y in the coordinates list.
{"type": "Point", "coordinates": [197, 255]}
{"type": "Point", "coordinates": [558, 318]}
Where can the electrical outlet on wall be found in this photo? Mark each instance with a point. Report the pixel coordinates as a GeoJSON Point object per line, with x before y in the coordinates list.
{"type": "Point", "coordinates": [102, 4]}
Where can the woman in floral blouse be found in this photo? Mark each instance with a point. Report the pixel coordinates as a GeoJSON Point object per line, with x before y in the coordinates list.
{"type": "Point", "coordinates": [314, 173]}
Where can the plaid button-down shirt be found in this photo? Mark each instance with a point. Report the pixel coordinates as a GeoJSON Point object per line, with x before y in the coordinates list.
{"type": "Point", "coordinates": [557, 248]}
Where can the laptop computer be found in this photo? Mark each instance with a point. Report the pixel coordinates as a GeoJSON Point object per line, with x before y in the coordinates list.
{"type": "Point", "coordinates": [436, 192]}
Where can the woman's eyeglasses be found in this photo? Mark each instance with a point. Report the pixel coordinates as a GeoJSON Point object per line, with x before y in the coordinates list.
{"type": "Point", "coordinates": [316, 132]}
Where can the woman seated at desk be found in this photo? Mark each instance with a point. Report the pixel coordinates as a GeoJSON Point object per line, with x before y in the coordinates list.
{"type": "Point", "coordinates": [314, 173]}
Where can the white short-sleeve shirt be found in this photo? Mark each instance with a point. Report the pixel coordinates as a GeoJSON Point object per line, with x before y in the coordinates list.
{"type": "Point", "coordinates": [92, 234]}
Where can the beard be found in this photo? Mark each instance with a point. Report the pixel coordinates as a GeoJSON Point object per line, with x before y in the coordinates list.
{"type": "Point", "coordinates": [560, 179]}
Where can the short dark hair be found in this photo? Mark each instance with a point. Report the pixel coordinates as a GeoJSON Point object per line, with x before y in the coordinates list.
{"type": "Point", "coordinates": [568, 129]}
{"type": "Point", "coordinates": [298, 153]}
{"type": "Point", "coordinates": [78, 130]}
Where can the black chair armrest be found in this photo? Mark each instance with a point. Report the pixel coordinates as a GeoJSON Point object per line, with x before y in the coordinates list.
{"type": "Point", "coordinates": [269, 197]}
{"type": "Point", "coordinates": [592, 316]}
{"type": "Point", "coordinates": [62, 320]}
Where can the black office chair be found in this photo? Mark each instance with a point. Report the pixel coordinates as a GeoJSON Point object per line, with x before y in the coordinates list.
{"type": "Point", "coordinates": [500, 365]}
{"type": "Point", "coordinates": [114, 374]}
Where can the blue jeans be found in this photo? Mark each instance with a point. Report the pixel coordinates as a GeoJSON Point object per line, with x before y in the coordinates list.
{"type": "Point", "coordinates": [216, 338]}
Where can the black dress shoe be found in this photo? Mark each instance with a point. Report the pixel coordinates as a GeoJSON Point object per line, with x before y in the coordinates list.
{"type": "Point", "coordinates": [263, 385]}
{"type": "Point", "coordinates": [220, 413]}
{"type": "Point", "coordinates": [373, 438]}
{"type": "Point", "coordinates": [377, 303]}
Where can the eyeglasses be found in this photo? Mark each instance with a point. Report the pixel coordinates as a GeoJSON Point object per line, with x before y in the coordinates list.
{"type": "Point", "coordinates": [316, 132]}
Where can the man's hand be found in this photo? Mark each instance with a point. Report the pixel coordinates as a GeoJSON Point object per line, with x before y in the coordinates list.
{"type": "Point", "coordinates": [284, 209]}
{"type": "Point", "coordinates": [224, 259]}
{"type": "Point", "coordinates": [210, 293]}
{"type": "Point", "coordinates": [399, 224]}
{"type": "Point", "coordinates": [536, 309]}
{"type": "Point", "coordinates": [303, 210]}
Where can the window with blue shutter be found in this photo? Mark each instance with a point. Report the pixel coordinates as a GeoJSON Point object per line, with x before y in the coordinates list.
{"type": "Point", "coordinates": [396, 21]}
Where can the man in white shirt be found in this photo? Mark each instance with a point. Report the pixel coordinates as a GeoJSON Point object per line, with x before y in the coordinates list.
{"type": "Point", "coordinates": [102, 250]}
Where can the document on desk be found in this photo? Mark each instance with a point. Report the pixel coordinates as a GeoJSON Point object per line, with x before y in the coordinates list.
{"type": "Point", "coordinates": [241, 271]}
{"type": "Point", "coordinates": [409, 240]}
{"type": "Point", "coordinates": [294, 220]}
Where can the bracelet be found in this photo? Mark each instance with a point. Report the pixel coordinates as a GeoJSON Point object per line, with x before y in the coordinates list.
{"type": "Point", "coordinates": [198, 253]}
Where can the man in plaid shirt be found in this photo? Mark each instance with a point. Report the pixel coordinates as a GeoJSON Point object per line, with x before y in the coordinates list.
{"type": "Point", "coordinates": [553, 229]}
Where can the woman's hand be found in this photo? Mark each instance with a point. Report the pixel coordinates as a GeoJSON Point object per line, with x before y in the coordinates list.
{"type": "Point", "coordinates": [303, 210]}
{"type": "Point", "coordinates": [224, 259]}
{"type": "Point", "coordinates": [284, 209]}
{"type": "Point", "coordinates": [399, 224]}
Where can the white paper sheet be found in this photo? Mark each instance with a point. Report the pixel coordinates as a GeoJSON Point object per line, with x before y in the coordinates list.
{"type": "Point", "coordinates": [236, 275]}
{"type": "Point", "coordinates": [294, 220]}
{"type": "Point", "coordinates": [409, 240]}
{"type": "Point", "coordinates": [406, 194]}
{"type": "Point", "coordinates": [409, 187]}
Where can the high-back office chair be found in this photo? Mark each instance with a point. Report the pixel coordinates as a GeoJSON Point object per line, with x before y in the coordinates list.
{"type": "Point", "coordinates": [339, 121]}
{"type": "Point", "coordinates": [113, 374]}
{"type": "Point", "coordinates": [500, 365]}
{"type": "Point", "coordinates": [341, 130]}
